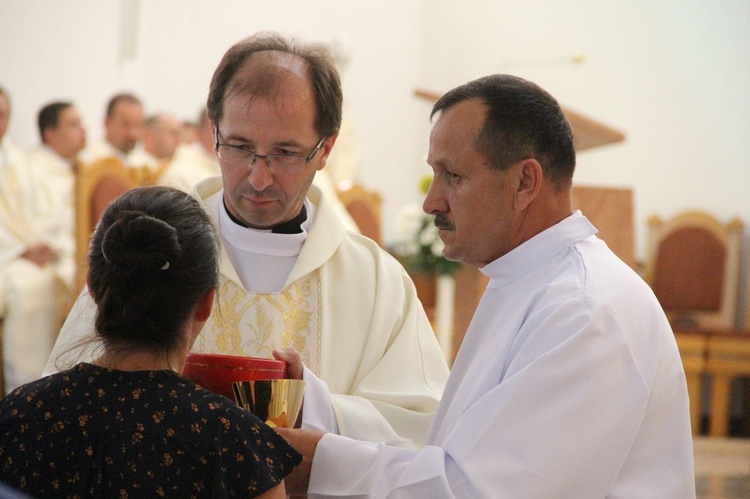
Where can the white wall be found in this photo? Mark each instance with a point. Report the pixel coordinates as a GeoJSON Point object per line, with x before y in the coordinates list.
{"type": "Point", "coordinates": [52, 49]}
{"type": "Point", "coordinates": [673, 74]}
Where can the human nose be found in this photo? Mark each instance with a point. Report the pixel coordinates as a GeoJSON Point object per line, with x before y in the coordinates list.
{"type": "Point", "coordinates": [135, 132]}
{"type": "Point", "coordinates": [260, 175]}
{"type": "Point", "coordinates": [434, 202]}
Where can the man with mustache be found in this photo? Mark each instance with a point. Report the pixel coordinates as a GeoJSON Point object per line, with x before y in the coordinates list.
{"type": "Point", "coordinates": [568, 383]}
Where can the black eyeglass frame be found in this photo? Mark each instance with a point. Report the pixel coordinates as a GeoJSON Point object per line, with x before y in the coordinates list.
{"type": "Point", "coordinates": [253, 156]}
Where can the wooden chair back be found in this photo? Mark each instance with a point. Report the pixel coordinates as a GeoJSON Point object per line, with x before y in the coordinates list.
{"type": "Point", "coordinates": [98, 184]}
{"type": "Point", "coordinates": [693, 266]}
{"type": "Point", "coordinates": [364, 206]}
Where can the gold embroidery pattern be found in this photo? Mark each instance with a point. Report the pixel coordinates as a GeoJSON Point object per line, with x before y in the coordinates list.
{"type": "Point", "coordinates": [246, 323]}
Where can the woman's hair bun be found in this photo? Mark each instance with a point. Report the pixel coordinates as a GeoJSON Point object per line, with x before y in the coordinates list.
{"type": "Point", "coordinates": [139, 242]}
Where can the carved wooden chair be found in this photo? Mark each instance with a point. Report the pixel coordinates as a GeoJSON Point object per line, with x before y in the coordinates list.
{"type": "Point", "coordinates": [693, 266]}
{"type": "Point", "coordinates": [364, 206]}
{"type": "Point", "coordinates": [98, 184]}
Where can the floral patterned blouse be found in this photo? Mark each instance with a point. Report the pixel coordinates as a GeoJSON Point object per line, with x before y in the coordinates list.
{"type": "Point", "coordinates": [96, 432]}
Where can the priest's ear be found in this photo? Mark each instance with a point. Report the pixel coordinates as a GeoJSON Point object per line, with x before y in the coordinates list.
{"type": "Point", "coordinates": [325, 150]}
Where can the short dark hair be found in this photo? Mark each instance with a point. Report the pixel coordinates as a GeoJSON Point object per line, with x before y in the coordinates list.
{"type": "Point", "coordinates": [523, 121]}
{"type": "Point", "coordinates": [121, 97]}
{"type": "Point", "coordinates": [49, 116]}
{"type": "Point", "coordinates": [322, 70]}
{"type": "Point", "coordinates": [153, 255]}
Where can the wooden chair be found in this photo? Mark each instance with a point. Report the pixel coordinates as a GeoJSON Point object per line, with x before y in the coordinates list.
{"type": "Point", "coordinates": [728, 357]}
{"type": "Point", "coordinates": [98, 184]}
{"type": "Point", "coordinates": [693, 266]}
{"type": "Point", "coordinates": [364, 207]}
{"type": "Point", "coordinates": [693, 351]}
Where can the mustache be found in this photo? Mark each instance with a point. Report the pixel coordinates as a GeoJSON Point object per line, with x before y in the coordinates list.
{"type": "Point", "coordinates": [442, 222]}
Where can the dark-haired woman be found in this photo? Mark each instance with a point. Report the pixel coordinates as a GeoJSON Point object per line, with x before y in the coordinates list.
{"type": "Point", "coordinates": [128, 425]}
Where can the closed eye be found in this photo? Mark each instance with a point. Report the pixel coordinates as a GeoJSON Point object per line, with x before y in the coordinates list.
{"type": "Point", "coordinates": [239, 148]}
{"type": "Point", "coordinates": [285, 152]}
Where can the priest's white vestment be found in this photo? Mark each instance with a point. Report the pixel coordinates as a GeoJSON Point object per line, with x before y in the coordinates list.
{"type": "Point", "coordinates": [191, 164]}
{"type": "Point", "coordinates": [36, 206]}
{"type": "Point", "coordinates": [351, 311]}
{"type": "Point", "coordinates": [568, 384]}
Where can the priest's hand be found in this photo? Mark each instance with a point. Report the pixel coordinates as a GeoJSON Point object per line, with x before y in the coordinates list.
{"type": "Point", "coordinates": [294, 366]}
{"type": "Point", "coordinates": [305, 441]}
{"type": "Point", "coordinates": [39, 253]}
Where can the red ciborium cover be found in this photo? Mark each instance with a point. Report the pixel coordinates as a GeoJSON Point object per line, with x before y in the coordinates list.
{"type": "Point", "coordinates": [217, 372]}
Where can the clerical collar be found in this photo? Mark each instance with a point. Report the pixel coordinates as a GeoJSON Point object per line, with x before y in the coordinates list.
{"type": "Point", "coordinates": [237, 237]}
{"type": "Point", "coordinates": [293, 226]}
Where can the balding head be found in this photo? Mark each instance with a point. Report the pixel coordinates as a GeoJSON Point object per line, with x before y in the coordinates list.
{"type": "Point", "coordinates": [261, 63]}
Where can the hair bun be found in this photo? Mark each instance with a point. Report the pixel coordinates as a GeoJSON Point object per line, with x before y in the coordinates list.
{"type": "Point", "coordinates": [139, 242]}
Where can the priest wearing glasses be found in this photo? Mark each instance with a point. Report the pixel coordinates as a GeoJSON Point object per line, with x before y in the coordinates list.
{"type": "Point", "coordinates": [294, 281]}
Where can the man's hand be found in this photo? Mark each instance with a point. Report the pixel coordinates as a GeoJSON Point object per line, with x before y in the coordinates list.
{"type": "Point", "coordinates": [294, 366]}
{"type": "Point", "coordinates": [305, 441]}
{"type": "Point", "coordinates": [39, 253]}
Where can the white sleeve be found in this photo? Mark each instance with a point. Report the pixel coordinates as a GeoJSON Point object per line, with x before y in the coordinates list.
{"type": "Point", "coordinates": [318, 412]}
{"type": "Point", "coordinates": [386, 471]}
{"type": "Point", "coordinates": [75, 343]}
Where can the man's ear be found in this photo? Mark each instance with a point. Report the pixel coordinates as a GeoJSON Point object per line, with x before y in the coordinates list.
{"type": "Point", "coordinates": [530, 179]}
{"type": "Point", "coordinates": [45, 135]}
{"type": "Point", "coordinates": [325, 150]}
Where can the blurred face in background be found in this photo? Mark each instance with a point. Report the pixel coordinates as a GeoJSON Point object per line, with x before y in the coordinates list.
{"type": "Point", "coordinates": [162, 137]}
{"type": "Point", "coordinates": [4, 114]}
{"type": "Point", "coordinates": [125, 127]}
{"type": "Point", "coordinates": [69, 136]}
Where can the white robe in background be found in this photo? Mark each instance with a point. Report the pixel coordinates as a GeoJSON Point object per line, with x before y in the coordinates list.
{"type": "Point", "coordinates": [351, 311]}
{"type": "Point", "coordinates": [141, 157]}
{"type": "Point", "coordinates": [568, 384]}
{"type": "Point", "coordinates": [10, 154]}
{"type": "Point", "coordinates": [36, 206]}
{"type": "Point", "coordinates": [191, 164]}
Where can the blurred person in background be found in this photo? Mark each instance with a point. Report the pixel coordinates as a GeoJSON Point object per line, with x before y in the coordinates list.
{"type": "Point", "coordinates": [37, 253]}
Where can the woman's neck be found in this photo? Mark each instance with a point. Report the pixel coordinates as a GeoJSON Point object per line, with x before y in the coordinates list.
{"type": "Point", "coordinates": [142, 359]}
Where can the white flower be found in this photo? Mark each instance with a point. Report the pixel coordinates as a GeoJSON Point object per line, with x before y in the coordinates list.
{"type": "Point", "coordinates": [410, 220]}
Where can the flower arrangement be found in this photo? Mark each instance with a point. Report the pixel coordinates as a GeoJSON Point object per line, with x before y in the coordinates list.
{"type": "Point", "coordinates": [421, 249]}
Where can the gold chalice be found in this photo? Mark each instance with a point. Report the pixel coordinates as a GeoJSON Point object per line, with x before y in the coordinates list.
{"type": "Point", "coordinates": [277, 402]}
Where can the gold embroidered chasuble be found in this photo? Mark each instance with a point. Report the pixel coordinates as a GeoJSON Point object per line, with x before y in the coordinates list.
{"type": "Point", "coordinates": [247, 323]}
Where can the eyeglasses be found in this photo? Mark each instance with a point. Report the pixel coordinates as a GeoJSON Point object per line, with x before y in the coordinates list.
{"type": "Point", "coordinates": [239, 156]}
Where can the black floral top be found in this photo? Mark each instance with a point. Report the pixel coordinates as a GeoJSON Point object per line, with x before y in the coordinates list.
{"type": "Point", "coordinates": [95, 432]}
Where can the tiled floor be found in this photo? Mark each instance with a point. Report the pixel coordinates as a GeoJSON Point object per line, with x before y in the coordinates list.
{"type": "Point", "coordinates": [722, 468]}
